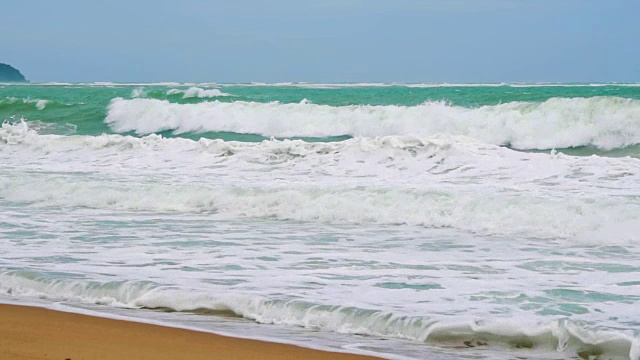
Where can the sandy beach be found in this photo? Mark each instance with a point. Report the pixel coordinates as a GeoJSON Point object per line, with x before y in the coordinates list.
{"type": "Point", "coordinates": [28, 333]}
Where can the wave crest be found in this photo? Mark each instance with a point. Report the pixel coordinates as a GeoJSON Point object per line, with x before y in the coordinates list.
{"type": "Point", "coordinates": [603, 122]}
{"type": "Point", "coordinates": [196, 92]}
{"type": "Point", "coordinates": [40, 104]}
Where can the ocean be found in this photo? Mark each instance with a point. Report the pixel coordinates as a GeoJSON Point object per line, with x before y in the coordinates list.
{"type": "Point", "coordinates": [438, 221]}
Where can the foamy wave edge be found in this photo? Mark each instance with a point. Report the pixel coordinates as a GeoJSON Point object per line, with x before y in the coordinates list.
{"type": "Point", "coordinates": [603, 122]}
{"type": "Point", "coordinates": [560, 335]}
{"type": "Point", "coordinates": [40, 104]}
{"type": "Point", "coordinates": [432, 160]}
{"type": "Point", "coordinates": [579, 219]}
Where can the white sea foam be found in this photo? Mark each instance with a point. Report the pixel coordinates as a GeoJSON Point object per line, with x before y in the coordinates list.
{"type": "Point", "coordinates": [603, 122]}
{"type": "Point", "coordinates": [485, 213]}
{"type": "Point", "coordinates": [561, 336]}
{"type": "Point", "coordinates": [40, 104]}
{"type": "Point", "coordinates": [138, 92]}
{"type": "Point", "coordinates": [440, 239]}
{"type": "Point", "coordinates": [196, 92]}
{"type": "Point", "coordinates": [435, 182]}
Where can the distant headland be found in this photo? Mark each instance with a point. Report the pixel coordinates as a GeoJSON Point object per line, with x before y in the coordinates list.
{"type": "Point", "coordinates": [10, 74]}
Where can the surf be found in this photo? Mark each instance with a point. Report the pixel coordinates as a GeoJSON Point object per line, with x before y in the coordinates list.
{"type": "Point", "coordinates": [560, 336]}
{"type": "Point", "coordinates": [604, 123]}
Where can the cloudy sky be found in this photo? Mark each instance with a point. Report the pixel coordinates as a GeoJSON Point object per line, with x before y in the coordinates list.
{"type": "Point", "coordinates": [323, 40]}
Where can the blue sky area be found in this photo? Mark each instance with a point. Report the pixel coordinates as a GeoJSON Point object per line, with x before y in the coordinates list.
{"type": "Point", "coordinates": [323, 41]}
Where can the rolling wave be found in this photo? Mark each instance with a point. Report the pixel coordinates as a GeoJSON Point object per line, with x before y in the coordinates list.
{"type": "Point", "coordinates": [14, 103]}
{"type": "Point", "coordinates": [196, 92]}
{"type": "Point", "coordinates": [191, 92]}
{"type": "Point", "coordinates": [602, 122]}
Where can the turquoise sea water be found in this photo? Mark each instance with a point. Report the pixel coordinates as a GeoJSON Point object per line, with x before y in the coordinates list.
{"type": "Point", "coordinates": [445, 221]}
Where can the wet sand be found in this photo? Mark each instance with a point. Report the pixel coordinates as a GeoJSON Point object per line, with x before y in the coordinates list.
{"type": "Point", "coordinates": [28, 333]}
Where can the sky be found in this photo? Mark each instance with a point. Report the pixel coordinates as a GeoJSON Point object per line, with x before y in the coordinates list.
{"type": "Point", "coordinates": [409, 41]}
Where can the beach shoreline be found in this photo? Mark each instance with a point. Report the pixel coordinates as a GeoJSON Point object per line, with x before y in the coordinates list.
{"type": "Point", "coordinates": [30, 333]}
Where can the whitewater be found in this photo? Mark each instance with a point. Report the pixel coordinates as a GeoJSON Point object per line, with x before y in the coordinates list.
{"type": "Point", "coordinates": [605, 123]}
{"type": "Point", "coordinates": [410, 221]}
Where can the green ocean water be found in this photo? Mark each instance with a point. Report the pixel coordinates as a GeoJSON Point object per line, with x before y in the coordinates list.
{"type": "Point", "coordinates": [81, 109]}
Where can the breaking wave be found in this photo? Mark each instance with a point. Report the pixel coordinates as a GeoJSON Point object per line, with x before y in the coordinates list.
{"type": "Point", "coordinates": [437, 182]}
{"type": "Point", "coordinates": [516, 215]}
{"type": "Point", "coordinates": [197, 93]}
{"type": "Point", "coordinates": [13, 103]}
{"type": "Point", "coordinates": [602, 122]}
